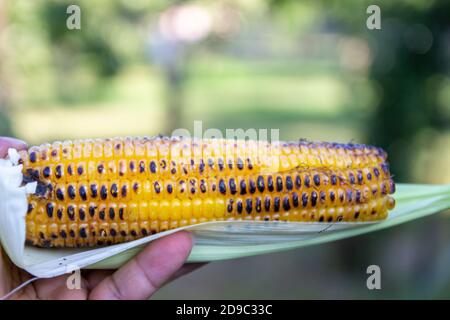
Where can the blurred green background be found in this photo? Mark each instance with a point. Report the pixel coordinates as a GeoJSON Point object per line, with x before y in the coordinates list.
{"type": "Point", "coordinates": [309, 68]}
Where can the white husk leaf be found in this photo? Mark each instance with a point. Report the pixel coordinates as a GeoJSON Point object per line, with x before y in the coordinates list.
{"type": "Point", "coordinates": [213, 240]}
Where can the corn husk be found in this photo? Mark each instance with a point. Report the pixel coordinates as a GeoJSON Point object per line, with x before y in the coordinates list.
{"type": "Point", "coordinates": [213, 240]}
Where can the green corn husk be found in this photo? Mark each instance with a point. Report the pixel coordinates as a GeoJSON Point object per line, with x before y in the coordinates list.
{"type": "Point", "coordinates": [412, 202]}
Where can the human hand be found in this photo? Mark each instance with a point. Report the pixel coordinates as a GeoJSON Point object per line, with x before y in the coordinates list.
{"type": "Point", "coordinates": [160, 262]}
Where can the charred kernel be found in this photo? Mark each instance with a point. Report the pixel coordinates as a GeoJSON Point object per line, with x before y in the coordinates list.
{"type": "Point", "coordinates": [270, 183]}
{"type": "Point", "coordinates": [240, 164]}
{"type": "Point", "coordinates": [133, 233]}
{"type": "Point", "coordinates": [211, 163]}
{"type": "Point", "coordinates": [123, 191]}
{"type": "Point", "coordinates": [341, 196]}
{"type": "Point", "coordinates": [369, 176]}
{"type": "Point", "coordinates": [72, 233]}
{"type": "Point", "coordinates": [251, 186]}
{"type": "Point", "coordinates": [267, 203]}
{"type": "Point", "coordinates": [276, 204]}
{"type": "Point", "coordinates": [103, 192]}
{"type": "Point", "coordinates": [232, 185]}
{"type": "Point", "coordinates": [83, 233]}
{"type": "Point", "coordinates": [83, 193]}
{"type": "Point", "coordinates": [202, 186]}
{"type": "Point", "coordinates": [333, 179]}
{"type": "Point", "coordinates": [313, 198]}
{"type": "Point", "coordinates": [286, 204]}
{"type": "Point", "coordinates": [152, 166]}
{"type": "Point", "coordinates": [121, 211]}
{"type": "Point", "coordinates": [258, 204]}
{"type": "Point", "coordinates": [391, 186]}
{"type": "Point", "coordinates": [359, 176]}
{"type": "Point", "coordinates": [316, 179]}
{"type": "Point", "coordinates": [243, 187]}
{"type": "Point", "coordinates": [239, 206]}
{"type": "Point", "coordinates": [298, 182]}
{"type": "Point", "coordinates": [260, 183]}
{"type": "Point", "coordinates": [220, 164]}
{"type": "Point", "coordinates": [144, 231]}
{"type": "Point", "coordinates": [249, 165]}
{"type": "Point", "coordinates": [113, 232]}
{"type": "Point", "coordinates": [383, 189]}
{"type": "Point", "coordinates": [132, 166]}
{"type": "Point", "coordinates": [323, 196]}
{"type": "Point", "coordinates": [307, 181]}
{"type": "Point", "coordinates": [33, 156]}
{"type": "Point", "coordinates": [266, 218]}
{"type": "Point", "coordinates": [304, 199]}
{"type": "Point", "coordinates": [112, 213]}
{"type": "Point", "coordinates": [279, 183]}
{"type": "Point", "coordinates": [157, 187]}
{"type": "Point", "coordinates": [376, 172]}
{"type": "Point", "coordinates": [101, 168]}
{"type": "Point", "coordinates": [136, 187]}
{"type": "Point", "coordinates": [249, 206]}
{"type": "Point", "coordinates": [101, 214]}
{"type": "Point", "coordinates": [60, 194]}
{"type": "Point", "coordinates": [201, 166]}
{"type": "Point", "coordinates": [356, 214]}
{"type": "Point", "coordinates": [321, 219]}
{"type": "Point", "coordinates": [141, 166]}
{"type": "Point", "coordinates": [295, 199]}
{"type": "Point", "coordinates": [230, 164]}
{"type": "Point", "coordinates": [70, 169]}
{"type": "Point", "coordinates": [59, 213]}
{"type": "Point", "coordinates": [123, 233]}
{"type": "Point", "coordinates": [230, 206]}
{"type": "Point", "coordinates": [349, 195]}
{"type": "Point", "coordinates": [41, 235]}
{"type": "Point", "coordinates": [358, 196]}
{"type": "Point", "coordinates": [94, 190]}
{"type": "Point", "coordinates": [71, 192]}
{"type": "Point", "coordinates": [54, 153]}
{"type": "Point", "coordinates": [82, 214]}
{"type": "Point", "coordinates": [49, 208]}
{"type": "Point", "coordinates": [30, 208]}
{"type": "Point", "coordinates": [169, 188]}
{"type": "Point", "coordinates": [58, 171]}
{"type": "Point", "coordinates": [330, 219]}
{"type": "Point", "coordinates": [114, 190]}
{"type": "Point", "coordinates": [351, 178]}
{"type": "Point", "coordinates": [46, 172]}
{"type": "Point", "coordinates": [222, 187]}
{"type": "Point", "coordinates": [173, 171]}
{"type": "Point", "coordinates": [63, 234]}
{"type": "Point", "coordinates": [339, 218]}
{"type": "Point", "coordinates": [385, 168]}
{"type": "Point", "coordinates": [92, 211]}
{"type": "Point", "coordinates": [289, 184]}
{"type": "Point", "coordinates": [71, 212]}
{"type": "Point", "coordinates": [332, 196]}
{"type": "Point", "coordinates": [80, 170]}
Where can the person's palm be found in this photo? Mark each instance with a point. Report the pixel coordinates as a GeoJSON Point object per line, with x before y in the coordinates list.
{"type": "Point", "coordinates": [160, 262]}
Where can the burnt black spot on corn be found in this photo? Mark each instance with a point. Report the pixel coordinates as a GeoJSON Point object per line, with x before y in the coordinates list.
{"type": "Point", "coordinates": [99, 192]}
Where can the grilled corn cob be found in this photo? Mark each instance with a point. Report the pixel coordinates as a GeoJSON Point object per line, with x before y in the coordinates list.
{"type": "Point", "coordinates": [101, 192]}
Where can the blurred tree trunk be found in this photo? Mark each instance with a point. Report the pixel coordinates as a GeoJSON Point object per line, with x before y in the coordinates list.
{"type": "Point", "coordinates": [5, 103]}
